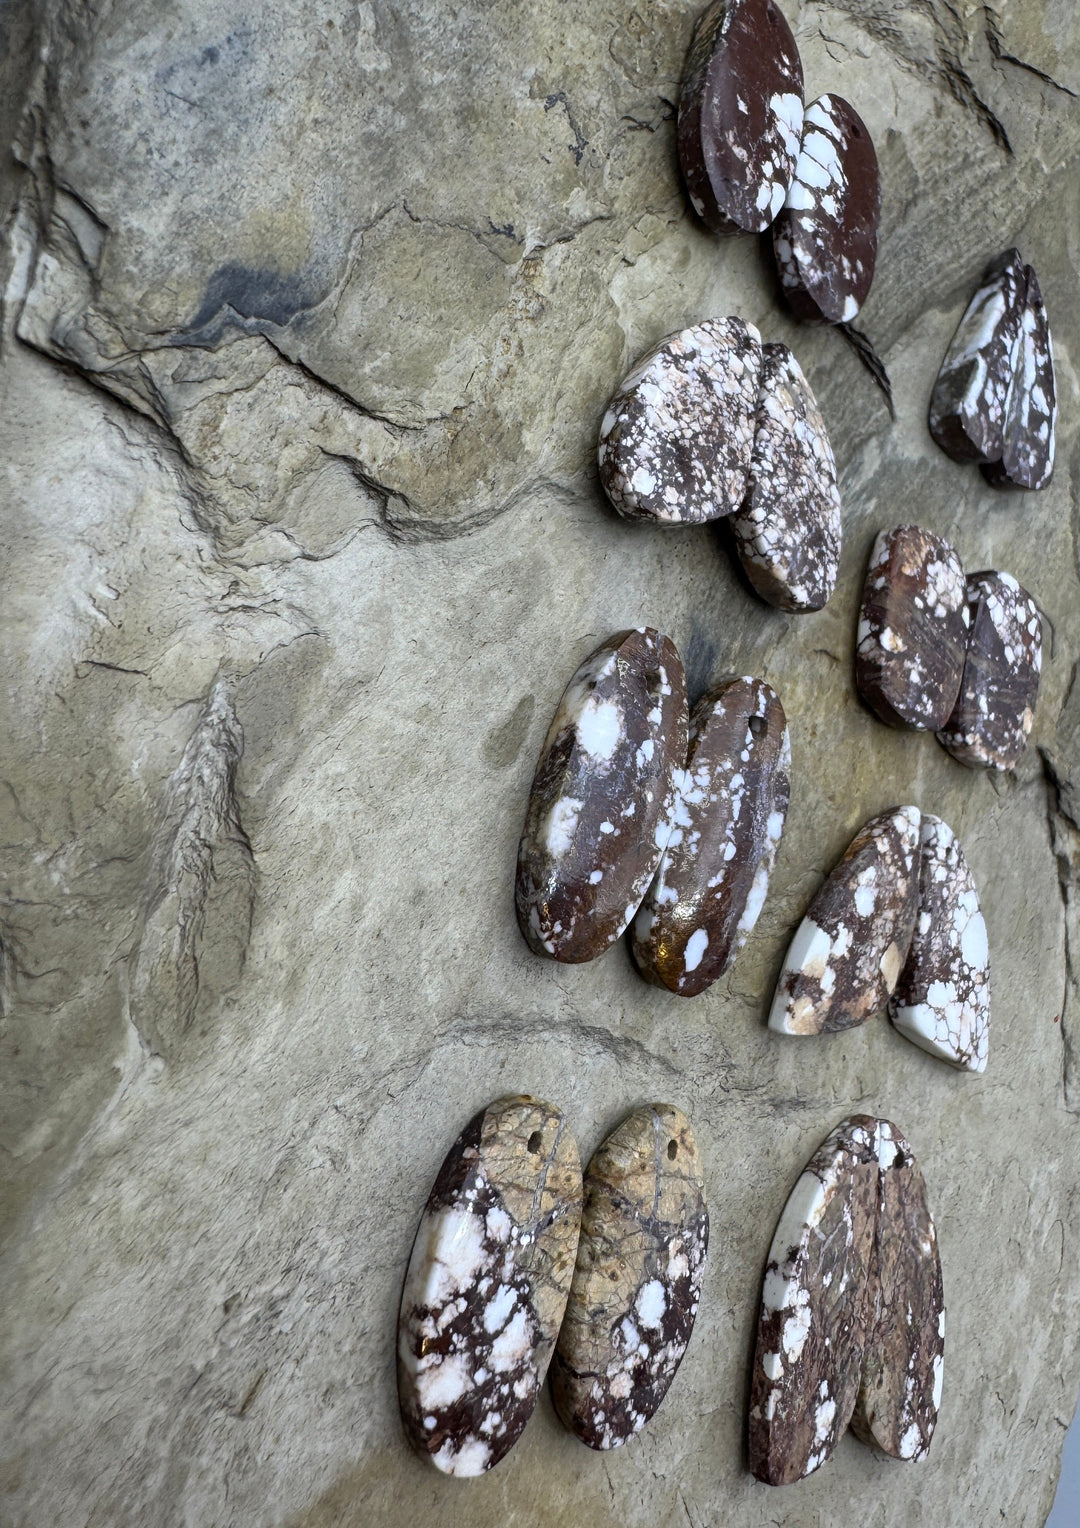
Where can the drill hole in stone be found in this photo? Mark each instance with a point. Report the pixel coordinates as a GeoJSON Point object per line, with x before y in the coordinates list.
{"type": "Point", "coordinates": [536, 1140]}
{"type": "Point", "coordinates": [757, 725]}
{"type": "Point", "coordinates": [672, 1151]}
{"type": "Point", "coordinates": [653, 683]}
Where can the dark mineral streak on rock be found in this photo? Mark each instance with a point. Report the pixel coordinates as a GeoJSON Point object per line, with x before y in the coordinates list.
{"type": "Point", "coordinates": [740, 115]}
{"type": "Point", "coordinates": [487, 1284]}
{"type": "Point", "coordinates": [788, 530]}
{"type": "Point", "coordinates": [905, 1324]}
{"type": "Point", "coordinates": [812, 1327]}
{"type": "Point", "coordinates": [1027, 452]}
{"type": "Point", "coordinates": [634, 1296]}
{"type": "Point", "coordinates": [995, 708]}
{"type": "Point", "coordinates": [913, 628]}
{"type": "Point", "coordinates": [729, 817]}
{"type": "Point", "coordinates": [967, 407]}
{"type": "Point", "coordinates": [849, 950]}
{"type": "Point", "coordinates": [825, 238]}
{"type": "Point", "coordinates": [675, 442]}
{"type": "Point", "coordinates": [600, 811]}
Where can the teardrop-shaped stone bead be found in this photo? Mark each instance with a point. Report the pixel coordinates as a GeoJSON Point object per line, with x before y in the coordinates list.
{"type": "Point", "coordinates": [967, 408]}
{"type": "Point", "coordinates": [1027, 448]}
{"type": "Point", "coordinates": [994, 711]}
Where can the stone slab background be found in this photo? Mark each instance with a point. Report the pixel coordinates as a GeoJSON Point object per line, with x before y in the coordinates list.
{"type": "Point", "coordinates": [311, 312]}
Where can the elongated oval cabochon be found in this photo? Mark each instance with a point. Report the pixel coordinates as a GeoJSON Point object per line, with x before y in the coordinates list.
{"type": "Point", "coordinates": [995, 708]}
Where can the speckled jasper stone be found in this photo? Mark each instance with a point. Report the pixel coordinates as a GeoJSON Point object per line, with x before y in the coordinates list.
{"type": "Point", "coordinates": [913, 628]}
{"type": "Point", "coordinates": [676, 439]}
{"type": "Point", "coordinates": [788, 529]}
{"type": "Point", "coordinates": [634, 1297]}
{"type": "Point", "coordinates": [729, 817]}
{"type": "Point", "coordinates": [740, 115]}
{"type": "Point", "coordinates": [942, 1000]}
{"type": "Point", "coordinates": [967, 407]}
{"type": "Point", "coordinates": [848, 952]}
{"type": "Point", "coordinates": [602, 801]}
{"type": "Point", "coordinates": [1027, 450]}
{"type": "Point", "coordinates": [487, 1284]}
{"type": "Point", "coordinates": [995, 708]}
{"type": "Point", "coordinates": [825, 239]}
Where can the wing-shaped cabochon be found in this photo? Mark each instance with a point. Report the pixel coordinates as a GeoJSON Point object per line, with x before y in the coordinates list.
{"type": "Point", "coordinates": [995, 709]}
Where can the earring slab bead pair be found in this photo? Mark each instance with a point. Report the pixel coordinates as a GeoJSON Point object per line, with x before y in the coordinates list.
{"type": "Point", "coordinates": [499, 1273]}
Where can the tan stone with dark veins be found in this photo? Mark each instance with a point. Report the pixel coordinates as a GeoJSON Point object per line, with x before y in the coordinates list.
{"type": "Point", "coordinates": [634, 1297]}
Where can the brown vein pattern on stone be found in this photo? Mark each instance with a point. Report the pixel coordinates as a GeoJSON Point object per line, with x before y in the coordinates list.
{"type": "Point", "coordinates": [825, 239]}
{"type": "Point", "coordinates": [912, 629]}
{"type": "Point", "coordinates": [788, 530]}
{"type": "Point", "coordinates": [602, 802]}
{"type": "Point", "coordinates": [1027, 452]}
{"type": "Point", "coordinates": [967, 407]}
{"type": "Point", "coordinates": [487, 1284]}
{"type": "Point", "coordinates": [636, 1286]}
{"type": "Point", "coordinates": [900, 1390]}
{"type": "Point", "coordinates": [848, 952]}
{"type": "Point", "coordinates": [942, 1000]}
{"type": "Point", "coordinates": [740, 115]}
{"type": "Point", "coordinates": [812, 1326]}
{"type": "Point", "coordinates": [995, 708]}
{"type": "Point", "coordinates": [676, 439]}
{"type": "Point", "coordinates": [729, 817]}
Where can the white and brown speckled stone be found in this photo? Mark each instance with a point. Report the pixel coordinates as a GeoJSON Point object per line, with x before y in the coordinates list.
{"type": "Point", "coordinates": [825, 238]}
{"type": "Point", "coordinates": [913, 628]}
{"type": "Point", "coordinates": [995, 709]}
{"type": "Point", "coordinates": [812, 1327]}
{"type": "Point", "coordinates": [967, 407]}
{"type": "Point", "coordinates": [1027, 451]}
{"type": "Point", "coordinates": [603, 797]}
{"type": "Point", "coordinates": [634, 1297]}
{"type": "Point", "coordinates": [850, 948]}
{"type": "Point", "coordinates": [676, 439]}
{"type": "Point", "coordinates": [487, 1284]}
{"type": "Point", "coordinates": [729, 816]}
{"type": "Point", "coordinates": [740, 115]}
{"type": "Point", "coordinates": [942, 1000]}
{"type": "Point", "coordinates": [788, 529]}
{"type": "Point", "coordinates": [900, 1391]}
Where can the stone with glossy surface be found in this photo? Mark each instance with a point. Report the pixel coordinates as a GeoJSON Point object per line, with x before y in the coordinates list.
{"type": "Point", "coordinates": [913, 628]}
{"type": "Point", "coordinates": [848, 952]}
{"type": "Point", "coordinates": [825, 239]}
{"type": "Point", "coordinates": [967, 407]}
{"type": "Point", "coordinates": [788, 529]}
{"type": "Point", "coordinates": [487, 1284]}
{"type": "Point", "coordinates": [740, 115]}
{"type": "Point", "coordinates": [675, 442]}
{"type": "Point", "coordinates": [995, 709]}
{"type": "Point", "coordinates": [636, 1286]}
{"type": "Point", "coordinates": [600, 810]}
{"type": "Point", "coordinates": [1027, 451]}
{"type": "Point", "coordinates": [729, 816]}
{"type": "Point", "coordinates": [942, 1000]}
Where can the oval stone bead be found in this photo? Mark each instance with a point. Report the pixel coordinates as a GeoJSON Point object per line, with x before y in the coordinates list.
{"type": "Point", "coordinates": [788, 529]}
{"type": "Point", "coordinates": [740, 115]}
{"type": "Point", "coordinates": [913, 627]}
{"type": "Point", "coordinates": [1027, 449]}
{"type": "Point", "coordinates": [729, 816]}
{"type": "Point", "coordinates": [995, 708]}
{"type": "Point", "coordinates": [634, 1296]}
{"type": "Point", "coordinates": [812, 1327]}
{"type": "Point", "coordinates": [825, 239]}
{"type": "Point", "coordinates": [942, 1000]}
{"type": "Point", "coordinates": [487, 1284]}
{"type": "Point", "coordinates": [676, 439]}
{"type": "Point", "coordinates": [600, 811]}
{"type": "Point", "coordinates": [849, 950]}
{"type": "Point", "coordinates": [967, 407]}
{"type": "Point", "coordinates": [900, 1389]}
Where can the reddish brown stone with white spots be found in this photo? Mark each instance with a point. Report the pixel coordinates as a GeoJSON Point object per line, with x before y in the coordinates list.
{"type": "Point", "coordinates": [1027, 449]}
{"type": "Point", "coordinates": [995, 709]}
{"type": "Point", "coordinates": [967, 408]}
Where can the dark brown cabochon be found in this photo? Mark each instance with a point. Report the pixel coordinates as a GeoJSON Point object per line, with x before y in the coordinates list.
{"type": "Point", "coordinates": [676, 439]}
{"type": "Point", "coordinates": [788, 530]}
{"type": "Point", "coordinates": [905, 1344]}
{"type": "Point", "coordinates": [740, 115]}
{"type": "Point", "coordinates": [599, 814]}
{"type": "Point", "coordinates": [729, 817]}
{"type": "Point", "coordinates": [967, 407]}
{"type": "Point", "coordinates": [634, 1297]}
{"type": "Point", "coordinates": [1027, 452]}
{"type": "Point", "coordinates": [995, 708]}
{"type": "Point", "coordinates": [811, 1331]}
{"type": "Point", "coordinates": [913, 626]}
{"type": "Point", "coordinates": [487, 1283]}
{"type": "Point", "coordinates": [848, 952]}
{"type": "Point", "coordinates": [825, 238]}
